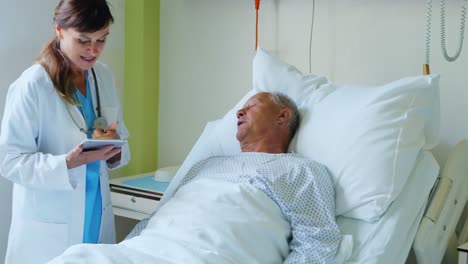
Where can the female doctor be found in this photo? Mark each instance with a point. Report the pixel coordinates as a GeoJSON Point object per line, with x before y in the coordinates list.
{"type": "Point", "coordinates": [61, 193]}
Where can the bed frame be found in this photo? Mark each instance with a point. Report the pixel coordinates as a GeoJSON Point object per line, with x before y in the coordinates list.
{"type": "Point", "coordinates": [442, 230]}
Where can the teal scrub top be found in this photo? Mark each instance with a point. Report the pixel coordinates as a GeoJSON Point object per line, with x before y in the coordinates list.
{"type": "Point", "coordinates": [93, 200]}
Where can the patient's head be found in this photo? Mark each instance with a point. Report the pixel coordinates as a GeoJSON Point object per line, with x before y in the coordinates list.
{"type": "Point", "coordinates": [267, 123]}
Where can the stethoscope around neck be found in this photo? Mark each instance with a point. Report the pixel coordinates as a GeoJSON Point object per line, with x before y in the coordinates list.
{"type": "Point", "coordinates": [100, 122]}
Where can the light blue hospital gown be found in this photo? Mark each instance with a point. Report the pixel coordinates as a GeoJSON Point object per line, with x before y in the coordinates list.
{"type": "Point", "coordinates": [302, 188]}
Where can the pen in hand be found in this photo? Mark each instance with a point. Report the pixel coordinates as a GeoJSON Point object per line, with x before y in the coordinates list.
{"type": "Point", "coordinates": [109, 133]}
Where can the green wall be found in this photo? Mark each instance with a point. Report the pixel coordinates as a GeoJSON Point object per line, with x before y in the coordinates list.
{"type": "Point", "coordinates": [141, 83]}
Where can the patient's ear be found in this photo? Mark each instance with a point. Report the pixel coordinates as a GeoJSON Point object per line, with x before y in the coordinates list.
{"type": "Point", "coordinates": [284, 115]}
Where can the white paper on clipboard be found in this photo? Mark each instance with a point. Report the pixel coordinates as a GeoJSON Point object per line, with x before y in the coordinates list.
{"type": "Point", "coordinates": [90, 144]}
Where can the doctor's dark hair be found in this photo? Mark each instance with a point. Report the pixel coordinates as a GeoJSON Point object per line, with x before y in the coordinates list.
{"type": "Point", "coordinates": [283, 100]}
{"type": "Point", "coordinates": [84, 16]}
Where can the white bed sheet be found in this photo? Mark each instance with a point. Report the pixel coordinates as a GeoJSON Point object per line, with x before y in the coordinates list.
{"type": "Point", "coordinates": [389, 239]}
{"type": "Point", "coordinates": [208, 221]}
{"type": "Point", "coordinates": [231, 223]}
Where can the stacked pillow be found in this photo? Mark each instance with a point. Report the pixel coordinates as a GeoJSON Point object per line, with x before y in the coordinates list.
{"type": "Point", "coordinates": [368, 137]}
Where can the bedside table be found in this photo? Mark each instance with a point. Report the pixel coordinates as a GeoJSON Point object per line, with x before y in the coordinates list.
{"type": "Point", "coordinates": [136, 196]}
{"type": "Point", "coordinates": [463, 254]}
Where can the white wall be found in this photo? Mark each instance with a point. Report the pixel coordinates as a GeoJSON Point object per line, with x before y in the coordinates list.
{"type": "Point", "coordinates": [207, 48]}
{"type": "Point", "coordinates": [205, 58]}
{"type": "Point", "coordinates": [24, 26]}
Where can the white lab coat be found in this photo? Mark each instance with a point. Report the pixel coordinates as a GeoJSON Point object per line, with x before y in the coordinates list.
{"type": "Point", "coordinates": [49, 199]}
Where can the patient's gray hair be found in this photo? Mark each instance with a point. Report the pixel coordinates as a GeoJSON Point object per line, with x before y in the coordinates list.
{"type": "Point", "coordinates": [283, 100]}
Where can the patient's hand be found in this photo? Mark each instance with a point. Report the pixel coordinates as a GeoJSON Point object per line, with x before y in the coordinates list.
{"type": "Point", "coordinates": [109, 133]}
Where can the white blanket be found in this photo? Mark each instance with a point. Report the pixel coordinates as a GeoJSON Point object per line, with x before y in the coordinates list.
{"type": "Point", "coordinates": [222, 223]}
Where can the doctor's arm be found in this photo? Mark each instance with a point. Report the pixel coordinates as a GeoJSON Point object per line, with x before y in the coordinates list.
{"type": "Point", "coordinates": [116, 130]}
{"type": "Point", "coordinates": [20, 161]}
{"type": "Point", "coordinates": [121, 130]}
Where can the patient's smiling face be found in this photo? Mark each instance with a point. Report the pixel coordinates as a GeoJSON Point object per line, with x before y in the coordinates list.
{"type": "Point", "coordinates": [256, 118]}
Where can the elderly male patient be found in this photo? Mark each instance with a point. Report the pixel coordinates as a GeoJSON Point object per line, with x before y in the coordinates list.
{"type": "Point", "coordinates": [271, 206]}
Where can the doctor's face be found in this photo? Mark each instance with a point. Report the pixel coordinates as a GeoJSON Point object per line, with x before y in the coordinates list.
{"type": "Point", "coordinates": [83, 49]}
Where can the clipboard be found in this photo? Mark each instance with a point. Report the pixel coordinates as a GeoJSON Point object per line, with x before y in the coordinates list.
{"type": "Point", "coordinates": [92, 144]}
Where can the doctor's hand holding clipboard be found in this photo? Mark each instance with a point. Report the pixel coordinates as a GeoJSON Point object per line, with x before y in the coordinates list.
{"type": "Point", "coordinates": [53, 111]}
{"type": "Point", "coordinates": [111, 153]}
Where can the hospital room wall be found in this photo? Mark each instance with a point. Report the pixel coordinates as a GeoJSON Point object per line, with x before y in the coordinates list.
{"type": "Point", "coordinates": [376, 41]}
{"type": "Point", "coordinates": [205, 67]}
{"type": "Point", "coordinates": [207, 50]}
{"type": "Point", "coordinates": [24, 26]}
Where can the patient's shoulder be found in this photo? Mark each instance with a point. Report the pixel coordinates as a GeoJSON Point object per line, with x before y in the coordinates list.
{"type": "Point", "coordinates": [309, 167]}
{"type": "Point", "coordinates": [302, 160]}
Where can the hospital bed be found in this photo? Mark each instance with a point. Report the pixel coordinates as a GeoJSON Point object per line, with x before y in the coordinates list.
{"type": "Point", "coordinates": [391, 196]}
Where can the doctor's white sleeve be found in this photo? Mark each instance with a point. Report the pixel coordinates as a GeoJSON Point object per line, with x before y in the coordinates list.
{"type": "Point", "coordinates": [20, 161]}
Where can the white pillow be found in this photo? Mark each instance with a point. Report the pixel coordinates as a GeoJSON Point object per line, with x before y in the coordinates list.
{"type": "Point", "coordinates": [369, 138]}
{"type": "Point", "coordinates": [272, 75]}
